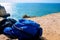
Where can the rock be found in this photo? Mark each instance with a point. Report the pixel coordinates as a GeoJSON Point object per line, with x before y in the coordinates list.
{"type": "Point", "coordinates": [3, 12]}
{"type": "Point", "coordinates": [26, 16]}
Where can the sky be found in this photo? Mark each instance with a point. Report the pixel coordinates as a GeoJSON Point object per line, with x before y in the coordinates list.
{"type": "Point", "coordinates": [30, 1]}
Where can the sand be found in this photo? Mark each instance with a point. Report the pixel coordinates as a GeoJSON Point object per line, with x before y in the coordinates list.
{"type": "Point", "coordinates": [50, 25]}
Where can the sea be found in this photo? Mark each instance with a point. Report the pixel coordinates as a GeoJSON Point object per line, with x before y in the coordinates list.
{"type": "Point", "coordinates": [34, 9]}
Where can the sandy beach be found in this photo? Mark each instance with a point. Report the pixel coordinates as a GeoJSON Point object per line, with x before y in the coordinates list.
{"type": "Point", "coordinates": [50, 24]}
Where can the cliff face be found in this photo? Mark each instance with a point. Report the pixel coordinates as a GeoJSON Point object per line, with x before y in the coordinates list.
{"type": "Point", "coordinates": [49, 23]}
{"type": "Point", "coordinates": [51, 26]}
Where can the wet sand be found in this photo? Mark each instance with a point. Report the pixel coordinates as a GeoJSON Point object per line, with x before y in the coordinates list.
{"type": "Point", "coordinates": [49, 23]}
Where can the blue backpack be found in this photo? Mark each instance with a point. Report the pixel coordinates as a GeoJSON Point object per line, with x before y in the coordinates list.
{"type": "Point", "coordinates": [24, 30]}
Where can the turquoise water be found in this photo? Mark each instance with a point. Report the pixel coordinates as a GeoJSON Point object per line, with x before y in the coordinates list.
{"type": "Point", "coordinates": [34, 9]}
